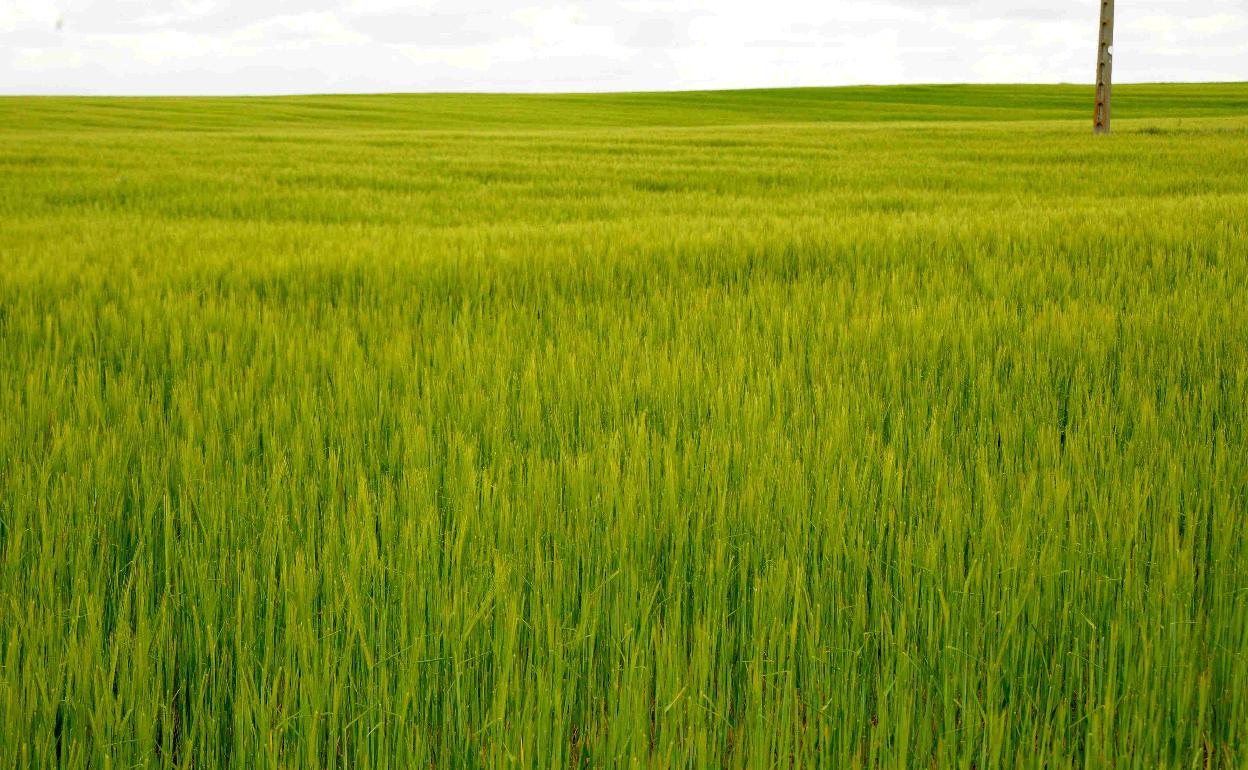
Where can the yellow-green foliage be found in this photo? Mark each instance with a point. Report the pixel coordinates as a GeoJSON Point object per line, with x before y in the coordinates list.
{"type": "Point", "coordinates": [893, 428]}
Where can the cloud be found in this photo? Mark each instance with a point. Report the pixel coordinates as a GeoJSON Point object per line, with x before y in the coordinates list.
{"type": "Point", "coordinates": [281, 46]}
{"type": "Point", "coordinates": [434, 29]}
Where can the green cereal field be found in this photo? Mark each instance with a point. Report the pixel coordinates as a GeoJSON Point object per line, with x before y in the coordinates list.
{"type": "Point", "coordinates": [895, 427]}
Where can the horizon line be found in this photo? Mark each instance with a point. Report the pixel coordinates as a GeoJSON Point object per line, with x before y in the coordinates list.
{"type": "Point", "coordinates": [604, 92]}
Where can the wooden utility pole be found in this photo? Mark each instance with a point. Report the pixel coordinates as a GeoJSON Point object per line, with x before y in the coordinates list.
{"type": "Point", "coordinates": [1104, 68]}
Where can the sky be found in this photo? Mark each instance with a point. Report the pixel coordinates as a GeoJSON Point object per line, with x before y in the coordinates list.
{"type": "Point", "coordinates": [335, 46]}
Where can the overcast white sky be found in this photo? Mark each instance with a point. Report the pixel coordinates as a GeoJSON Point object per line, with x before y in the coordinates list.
{"type": "Point", "coordinates": [302, 46]}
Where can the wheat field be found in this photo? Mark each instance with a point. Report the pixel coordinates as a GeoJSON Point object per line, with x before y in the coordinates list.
{"type": "Point", "coordinates": [821, 428]}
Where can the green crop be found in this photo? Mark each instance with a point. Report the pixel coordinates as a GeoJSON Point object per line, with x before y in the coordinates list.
{"type": "Point", "coordinates": [828, 428]}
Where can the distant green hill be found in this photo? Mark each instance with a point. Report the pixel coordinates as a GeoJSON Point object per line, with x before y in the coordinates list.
{"type": "Point", "coordinates": [691, 108]}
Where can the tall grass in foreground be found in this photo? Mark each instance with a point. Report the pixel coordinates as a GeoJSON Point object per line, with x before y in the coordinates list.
{"type": "Point", "coordinates": [797, 446]}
